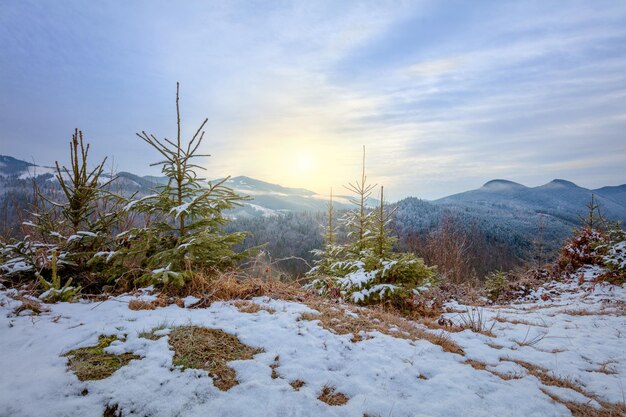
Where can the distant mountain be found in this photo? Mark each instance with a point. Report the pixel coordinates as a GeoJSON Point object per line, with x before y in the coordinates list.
{"type": "Point", "coordinates": [559, 198]}
{"type": "Point", "coordinates": [10, 167]}
{"type": "Point", "coordinates": [615, 193]}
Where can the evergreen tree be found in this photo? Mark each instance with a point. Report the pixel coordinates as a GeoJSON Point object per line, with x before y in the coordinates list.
{"type": "Point", "coordinates": [365, 270]}
{"type": "Point", "coordinates": [68, 233]}
{"type": "Point", "coordinates": [382, 219]}
{"type": "Point", "coordinates": [187, 234]}
{"type": "Point", "coordinates": [359, 221]}
{"type": "Point", "coordinates": [594, 218]}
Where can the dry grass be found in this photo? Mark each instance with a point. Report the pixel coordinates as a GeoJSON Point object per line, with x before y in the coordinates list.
{"type": "Point", "coordinates": [230, 286]}
{"type": "Point", "coordinates": [246, 306]}
{"type": "Point", "coordinates": [92, 363]}
{"type": "Point", "coordinates": [334, 317]}
{"type": "Point", "coordinates": [476, 364]}
{"type": "Point", "coordinates": [274, 366]}
{"type": "Point", "coordinates": [475, 320]}
{"type": "Point", "coordinates": [211, 350]}
{"type": "Point", "coordinates": [531, 341]}
{"type": "Point", "coordinates": [606, 367]}
{"type": "Point", "coordinates": [517, 321]}
{"type": "Point", "coordinates": [111, 411]}
{"type": "Point", "coordinates": [577, 409]}
{"type": "Point", "coordinates": [603, 312]}
{"type": "Point", "coordinates": [587, 410]}
{"type": "Point", "coordinates": [161, 301]}
{"type": "Point", "coordinates": [30, 304]}
{"type": "Point", "coordinates": [330, 397]}
{"type": "Point", "coordinates": [140, 305]}
{"type": "Point", "coordinates": [481, 366]}
{"type": "Point", "coordinates": [297, 384]}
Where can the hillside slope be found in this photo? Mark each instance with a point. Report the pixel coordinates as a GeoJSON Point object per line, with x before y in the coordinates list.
{"type": "Point", "coordinates": [543, 358]}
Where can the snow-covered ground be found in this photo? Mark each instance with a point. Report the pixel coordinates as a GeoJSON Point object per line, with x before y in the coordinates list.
{"type": "Point", "coordinates": [381, 375]}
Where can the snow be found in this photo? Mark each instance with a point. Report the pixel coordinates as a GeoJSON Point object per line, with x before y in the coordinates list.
{"type": "Point", "coordinates": [265, 212]}
{"type": "Point", "coordinates": [131, 204]}
{"type": "Point", "coordinates": [381, 375]}
{"type": "Point", "coordinates": [575, 334]}
{"type": "Point", "coordinates": [109, 255]}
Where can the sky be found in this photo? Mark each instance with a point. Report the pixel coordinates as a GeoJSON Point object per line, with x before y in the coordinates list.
{"type": "Point", "coordinates": [444, 95]}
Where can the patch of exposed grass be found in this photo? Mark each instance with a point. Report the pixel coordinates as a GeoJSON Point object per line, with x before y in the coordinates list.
{"type": "Point", "coordinates": [161, 301]}
{"type": "Point", "coordinates": [341, 320]}
{"type": "Point", "coordinates": [587, 410]}
{"type": "Point", "coordinates": [137, 304]}
{"type": "Point", "coordinates": [331, 397]}
{"type": "Point", "coordinates": [230, 286]}
{"type": "Point", "coordinates": [481, 366]}
{"type": "Point", "coordinates": [478, 365]}
{"type": "Point", "coordinates": [474, 319]}
{"type": "Point", "coordinates": [518, 321]}
{"type": "Point", "coordinates": [34, 306]}
{"type": "Point", "coordinates": [93, 363]}
{"type": "Point", "coordinates": [247, 306]}
{"type": "Point", "coordinates": [111, 411]}
{"type": "Point", "coordinates": [274, 366]}
{"type": "Point", "coordinates": [151, 334]}
{"type": "Point", "coordinates": [211, 350]}
{"type": "Point", "coordinates": [603, 312]}
{"type": "Point", "coordinates": [577, 409]}
{"type": "Point", "coordinates": [494, 345]}
{"type": "Point", "coordinates": [297, 384]}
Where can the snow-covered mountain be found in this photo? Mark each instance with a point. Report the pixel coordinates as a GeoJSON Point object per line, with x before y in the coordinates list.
{"type": "Point", "coordinates": [559, 198]}
{"type": "Point", "coordinates": [12, 167]}
{"type": "Point", "coordinates": [266, 198]}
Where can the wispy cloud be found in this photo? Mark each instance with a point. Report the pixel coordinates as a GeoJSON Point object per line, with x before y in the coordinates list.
{"type": "Point", "coordinates": [444, 96]}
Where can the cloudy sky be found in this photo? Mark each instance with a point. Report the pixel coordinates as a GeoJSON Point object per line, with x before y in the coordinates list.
{"type": "Point", "coordinates": [445, 95]}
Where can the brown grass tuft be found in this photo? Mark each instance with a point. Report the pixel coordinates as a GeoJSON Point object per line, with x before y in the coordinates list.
{"type": "Point", "coordinates": [478, 365]}
{"type": "Point", "coordinates": [517, 321]}
{"type": "Point", "coordinates": [330, 397]}
{"type": "Point", "coordinates": [111, 411]}
{"type": "Point", "coordinates": [603, 312]}
{"type": "Point", "coordinates": [246, 306]}
{"type": "Point", "coordinates": [211, 350]}
{"type": "Point", "coordinates": [229, 286]}
{"type": "Point", "coordinates": [339, 319]}
{"type": "Point", "coordinates": [29, 304]}
{"type": "Point", "coordinates": [140, 305]}
{"type": "Point", "coordinates": [577, 409]}
{"type": "Point", "coordinates": [587, 410]}
{"type": "Point", "coordinates": [274, 366]}
{"type": "Point", "coordinates": [297, 384]}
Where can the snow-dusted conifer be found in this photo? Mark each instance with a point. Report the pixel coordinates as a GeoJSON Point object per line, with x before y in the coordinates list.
{"type": "Point", "coordinates": [187, 232]}
{"type": "Point", "coordinates": [365, 269]}
{"type": "Point", "coordinates": [66, 234]}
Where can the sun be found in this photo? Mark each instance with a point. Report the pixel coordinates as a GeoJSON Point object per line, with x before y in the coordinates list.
{"type": "Point", "coordinates": [304, 163]}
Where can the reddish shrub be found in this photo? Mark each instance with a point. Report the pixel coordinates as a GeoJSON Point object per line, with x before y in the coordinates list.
{"type": "Point", "coordinates": [581, 249]}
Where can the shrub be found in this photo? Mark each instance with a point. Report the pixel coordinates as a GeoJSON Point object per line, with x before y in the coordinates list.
{"type": "Point", "coordinates": [582, 249]}
{"type": "Point", "coordinates": [614, 256]}
{"type": "Point", "coordinates": [495, 284]}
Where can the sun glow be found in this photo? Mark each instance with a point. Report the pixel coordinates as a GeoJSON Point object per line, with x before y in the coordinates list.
{"type": "Point", "coordinates": [304, 163]}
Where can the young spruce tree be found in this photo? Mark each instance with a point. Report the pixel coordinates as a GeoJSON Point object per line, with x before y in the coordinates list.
{"type": "Point", "coordinates": [187, 234]}
{"type": "Point", "coordinates": [365, 269]}
{"type": "Point", "coordinates": [65, 235]}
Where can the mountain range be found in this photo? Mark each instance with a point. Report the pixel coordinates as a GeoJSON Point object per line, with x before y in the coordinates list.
{"type": "Point", "coordinates": [504, 212]}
